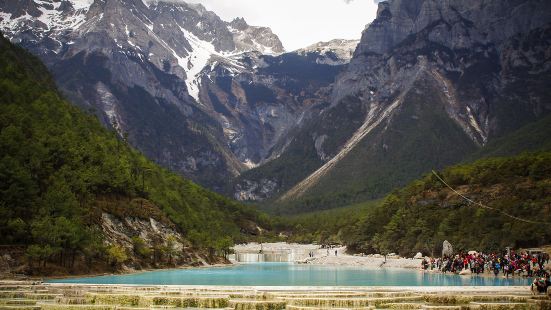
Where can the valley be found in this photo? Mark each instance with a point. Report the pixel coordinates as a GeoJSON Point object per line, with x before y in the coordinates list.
{"type": "Point", "coordinates": [141, 135]}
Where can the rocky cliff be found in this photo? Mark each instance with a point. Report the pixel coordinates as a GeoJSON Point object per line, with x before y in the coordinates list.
{"type": "Point", "coordinates": [335, 52]}
{"type": "Point", "coordinates": [430, 82]}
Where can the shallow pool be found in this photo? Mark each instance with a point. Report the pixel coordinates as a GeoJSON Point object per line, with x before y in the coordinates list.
{"type": "Point", "coordinates": [285, 274]}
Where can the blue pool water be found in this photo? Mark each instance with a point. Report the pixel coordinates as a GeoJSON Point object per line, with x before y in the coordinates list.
{"type": "Point", "coordinates": [284, 274]}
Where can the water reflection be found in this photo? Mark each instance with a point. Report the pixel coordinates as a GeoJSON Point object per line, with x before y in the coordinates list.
{"type": "Point", "coordinates": [281, 274]}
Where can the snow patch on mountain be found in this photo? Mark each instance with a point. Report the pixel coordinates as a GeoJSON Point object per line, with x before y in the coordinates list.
{"type": "Point", "coordinates": [53, 16]}
{"type": "Point", "coordinates": [81, 4]}
{"type": "Point", "coordinates": [248, 43]}
{"type": "Point", "coordinates": [195, 62]}
{"type": "Point", "coordinates": [6, 22]}
{"type": "Point", "coordinates": [336, 51]}
{"type": "Point", "coordinates": [198, 58]}
{"type": "Point", "coordinates": [250, 164]}
{"type": "Point", "coordinates": [64, 20]}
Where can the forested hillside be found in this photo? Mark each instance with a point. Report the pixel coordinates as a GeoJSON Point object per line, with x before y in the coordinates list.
{"type": "Point", "coordinates": [60, 170]}
{"type": "Point", "coordinates": [515, 193]}
{"type": "Point", "coordinates": [324, 227]}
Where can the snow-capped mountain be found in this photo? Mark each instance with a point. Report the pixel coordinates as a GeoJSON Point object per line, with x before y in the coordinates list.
{"type": "Point", "coordinates": [334, 52]}
{"type": "Point", "coordinates": [138, 65]}
{"type": "Point", "coordinates": [187, 35]}
{"type": "Point", "coordinates": [43, 14]}
{"type": "Point", "coordinates": [202, 96]}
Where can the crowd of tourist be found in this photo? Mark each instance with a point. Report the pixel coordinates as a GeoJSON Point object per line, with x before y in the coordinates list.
{"type": "Point", "coordinates": [509, 264]}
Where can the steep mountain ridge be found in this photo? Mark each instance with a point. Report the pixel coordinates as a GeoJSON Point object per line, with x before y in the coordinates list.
{"type": "Point", "coordinates": [201, 96]}
{"type": "Point", "coordinates": [430, 82]}
{"type": "Point", "coordinates": [260, 104]}
{"type": "Point", "coordinates": [518, 154]}
{"type": "Point", "coordinates": [138, 65]}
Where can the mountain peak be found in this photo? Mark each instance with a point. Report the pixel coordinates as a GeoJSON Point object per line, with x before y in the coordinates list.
{"type": "Point", "coordinates": [255, 38]}
{"type": "Point", "coordinates": [341, 49]}
{"type": "Point", "coordinates": [198, 7]}
{"type": "Point", "coordinates": [239, 23]}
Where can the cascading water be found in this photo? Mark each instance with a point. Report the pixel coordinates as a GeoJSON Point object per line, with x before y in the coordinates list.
{"type": "Point", "coordinates": [275, 252]}
{"type": "Point", "coordinates": [263, 257]}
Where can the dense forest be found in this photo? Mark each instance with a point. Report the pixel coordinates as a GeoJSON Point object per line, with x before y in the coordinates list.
{"type": "Point", "coordinates": [60, 169]}
{"type": "Point", "coordinates": [323, 227]}
{"type": "Point", "coordinates": [515, 193]}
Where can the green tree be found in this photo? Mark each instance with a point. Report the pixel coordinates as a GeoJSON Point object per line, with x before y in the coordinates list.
{"type": "Point", "coordinates": [170, 248]}
{"type": "Point", "coordinates": [39, 253]}
{"type": "Point", "coordinates": [141, 248]}
{"type": "Point", "coordinates": [116, 255]}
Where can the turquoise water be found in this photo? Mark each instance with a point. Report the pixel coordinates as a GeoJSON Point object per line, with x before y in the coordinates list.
{"type": "Point", "coordinates": [283, 274]}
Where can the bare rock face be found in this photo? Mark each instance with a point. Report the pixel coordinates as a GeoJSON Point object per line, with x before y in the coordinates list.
{"type": "Point", "coordinates": [254, 191]}
{"type": "Point", "coordinates": [149, 234]}
{"type": "Point", "coordinates": [334, 52]}
{"type": "Point", "coordinates": [451, 37]}
{"type": "Point", "coordinates": [259, 99]}
{"type": "Point", "coordinates": [427, 75]}
{"type": "Point", "coordinates": [447, 249]}
{"type": "Point", "coordinates": [467, 22]}
{"type": "Point", "coordinates": [119, 231]}
{"type": "Point", "coordinates": [253, 38]}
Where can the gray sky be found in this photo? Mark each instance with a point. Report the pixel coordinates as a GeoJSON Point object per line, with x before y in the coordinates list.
{"type": "Point", "coordinates": [299, 23]}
